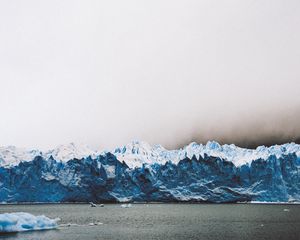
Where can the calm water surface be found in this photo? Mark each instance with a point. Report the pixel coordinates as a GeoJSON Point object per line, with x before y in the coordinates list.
{"type": "Point", "coordinates": [165, 221]}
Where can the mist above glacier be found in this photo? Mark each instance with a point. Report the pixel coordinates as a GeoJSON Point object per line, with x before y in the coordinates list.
{"type": "Point", "coordinates": [167, 72]}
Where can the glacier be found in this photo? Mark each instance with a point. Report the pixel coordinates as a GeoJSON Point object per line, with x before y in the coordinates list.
{"type": "Point", "coordinates": [21, 221]}
{"type": "Point", "coordinates": [139, 172]}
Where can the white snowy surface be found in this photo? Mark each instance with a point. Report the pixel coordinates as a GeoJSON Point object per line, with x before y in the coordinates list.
{"type": "Point", "coordinates": [12, 156]}
{"type": "Point", "coordinates": [21, 221]}
{"type": "Point", "coordinates": [70, 151]}
{"type": "Point", "coordinates": [110, 171]}
{"type": "Point", "coordinates": [137, 153]}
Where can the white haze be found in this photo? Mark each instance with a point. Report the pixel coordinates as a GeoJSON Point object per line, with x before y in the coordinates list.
{"type": "Point", "coordinates": [107, 72]}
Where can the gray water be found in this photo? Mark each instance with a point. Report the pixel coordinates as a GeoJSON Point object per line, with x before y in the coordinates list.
{"type": "Point", "coordinates": [165, 221]}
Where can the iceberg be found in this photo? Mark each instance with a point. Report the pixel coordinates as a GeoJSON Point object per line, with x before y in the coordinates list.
{"type": "Point", "coordinates": [21, 221]}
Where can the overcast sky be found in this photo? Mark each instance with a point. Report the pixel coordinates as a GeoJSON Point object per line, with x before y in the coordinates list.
{"type": "Point", "coordinates": [169, 72]}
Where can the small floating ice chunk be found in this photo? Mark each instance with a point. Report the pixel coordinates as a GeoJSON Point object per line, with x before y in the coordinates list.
{"type": "Point", "coordinates": [129, 205]}
{"type": "Point", "coordinates": [286, 210]}
{"type": "Point", "coordinates": [21, 221]}
{"type": "Point", "coordinates": [92, 204]}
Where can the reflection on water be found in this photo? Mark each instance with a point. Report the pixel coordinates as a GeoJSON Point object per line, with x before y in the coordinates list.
{"type": "Point", "coordinates": [164, 221]}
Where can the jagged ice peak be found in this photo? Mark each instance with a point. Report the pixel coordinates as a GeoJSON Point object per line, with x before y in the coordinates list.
{"type": "Point", "coordinates": [137, 153]}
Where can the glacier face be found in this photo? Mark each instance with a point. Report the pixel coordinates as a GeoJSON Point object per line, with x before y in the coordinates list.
{"type": "Point", "coordinates": [140, 172]}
